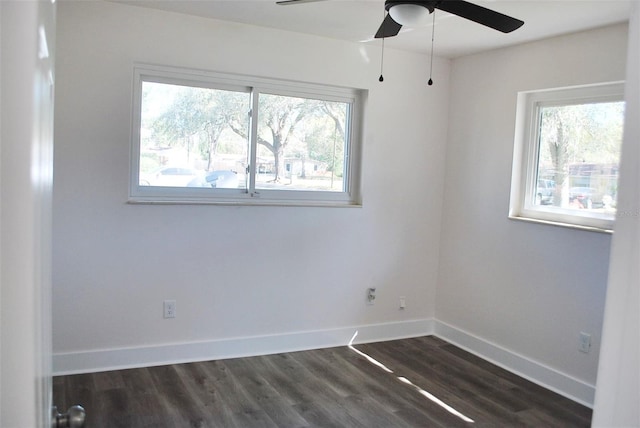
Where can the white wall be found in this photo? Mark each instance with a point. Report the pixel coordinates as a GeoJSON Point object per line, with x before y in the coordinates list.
{"type": "Point", "coordinates": [527, 289]}
{"type": "Point", "coordinates": [235, 272]}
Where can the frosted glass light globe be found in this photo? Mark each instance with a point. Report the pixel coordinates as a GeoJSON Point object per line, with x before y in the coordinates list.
{"type": "Point", "coordinates": [411, 15]}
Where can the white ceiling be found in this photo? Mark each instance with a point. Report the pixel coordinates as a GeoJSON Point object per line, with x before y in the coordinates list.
{"type": "Point", "coordinates": [358, 20]}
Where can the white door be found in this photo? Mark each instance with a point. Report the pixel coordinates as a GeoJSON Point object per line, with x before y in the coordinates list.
{"type": "Point", "coordinates": [27, 36]}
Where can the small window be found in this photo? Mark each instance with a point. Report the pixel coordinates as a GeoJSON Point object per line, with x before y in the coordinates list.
{"type": "Point", "coordinates": [567, 155]}
{"type": "Point", "coordinates": [202, 137]}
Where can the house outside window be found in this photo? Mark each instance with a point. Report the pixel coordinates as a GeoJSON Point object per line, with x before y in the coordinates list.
{"type": "Point", "coordinates": [204, 137]}
{"type": "Point", "coordinates": [567, 156]}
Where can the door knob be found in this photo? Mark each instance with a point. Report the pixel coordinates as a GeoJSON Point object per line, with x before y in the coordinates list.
{"type": "Point", "coordinates": [74, 418]}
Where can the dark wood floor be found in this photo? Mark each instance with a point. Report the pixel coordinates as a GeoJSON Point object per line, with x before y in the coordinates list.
{"type": "Point", "coordinates": [336, 387]}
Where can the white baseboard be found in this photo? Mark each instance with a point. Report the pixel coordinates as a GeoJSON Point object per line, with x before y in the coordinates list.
{"type": "Point", "coordinates": [125, 358]}
{"type": "Point", "coordinates": [540, 374]}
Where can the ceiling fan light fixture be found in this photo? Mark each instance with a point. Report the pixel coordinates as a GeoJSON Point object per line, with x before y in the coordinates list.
{"type": "Point", "coordinates": [411, 15]}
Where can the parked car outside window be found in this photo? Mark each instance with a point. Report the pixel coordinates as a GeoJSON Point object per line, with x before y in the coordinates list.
{"type": "Point", "coordinates": [171, 176]}
{"type": "Point", "coordinates": [544, 194]}
{"type": "Point", "coordinates": [216, 179]}
{"type": "Point", "coordinates": [586, 197]}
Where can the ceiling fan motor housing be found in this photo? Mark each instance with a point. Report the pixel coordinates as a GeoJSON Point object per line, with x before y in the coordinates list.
{"type": "Point", "coordinates": [430, 5]}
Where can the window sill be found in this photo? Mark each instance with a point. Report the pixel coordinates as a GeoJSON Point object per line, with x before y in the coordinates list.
{"type": "Point", "coordinates": [561, 224]}
{"type": "Point", "coordinates": [248, 202]}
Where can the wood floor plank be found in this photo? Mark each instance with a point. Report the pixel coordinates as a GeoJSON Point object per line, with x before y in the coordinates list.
{"type": "Point", "coordinates": [206, 394]}
{"type": "Point", "coordinates": [234, 399]}
{"type": "Point", "coordinates": [335, 387]}
{"type": "Point", "coordinates": [561, 407]}
{"type": "Point", "coordinates": [361, 374]}
{"type": "Point", "coordinates": [433, 381]}
{"type": "Point", "coordinates": [284, 415]}
{"type": "Point", "coordinates": [254, 381]}
{"type": "Point", "coordinates": [482, 388]}
{"type": "Point", "coordinates": [176, 401]}
{"type": "Point", "coordinates": [108, 380]}
{"type": "Point", "coordinates": [434, 377]}
{"type": "Point", "coordinates": [332, 372]}
{"type": "Point", "coordinates": [387, 390]}
{"type": "Point", "coordinates": [482, 382]}
{"type": "Point", "coordinates": [326, 414]}
{"type": "Point", "coordinates": [396, 396]}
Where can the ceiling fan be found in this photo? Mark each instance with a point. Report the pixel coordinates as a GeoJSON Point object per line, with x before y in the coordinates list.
{"type": "Point", "coordinates": [414, 12]}
{"type": "Point", "coordinates": [409, 12]}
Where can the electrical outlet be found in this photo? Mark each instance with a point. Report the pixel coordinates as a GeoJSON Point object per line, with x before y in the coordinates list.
{"type": "Point", "coordinates": [403, 302]}
{"type": "Point", "coordinates": [169, 308]}
{"type": "Point", "coordinates": [371, 296]}
{"type": "Point", "coordinates": [585, 342]}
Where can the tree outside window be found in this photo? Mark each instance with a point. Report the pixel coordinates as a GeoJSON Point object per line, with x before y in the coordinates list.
{"type": "Point", "coordinates": [567, 155]}
{"type": "Point", "coordinates": [213, 133]}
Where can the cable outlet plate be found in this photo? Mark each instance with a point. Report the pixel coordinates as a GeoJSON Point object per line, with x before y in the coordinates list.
{"type": "Point", "coordinates": [585, 342]}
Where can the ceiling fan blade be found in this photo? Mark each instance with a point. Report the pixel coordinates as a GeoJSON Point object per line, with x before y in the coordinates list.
{"type": "Point", "coordinates": [388, 28]}
{"type": "Point", "coordinates": [290, 2]}
{"type": "Point", "coordinates": [481, 15]}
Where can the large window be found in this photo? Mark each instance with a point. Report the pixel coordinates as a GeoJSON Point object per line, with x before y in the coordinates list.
{"type": "Point", "coordinates": [567, 155]}
{"type": "Point", "coordinates": [201, 137]}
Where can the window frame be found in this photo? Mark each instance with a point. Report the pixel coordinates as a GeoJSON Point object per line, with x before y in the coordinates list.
{"type": "Point", "coordinates": [526, 151]}
{"type": "Point", "coordinates": [253, 85]}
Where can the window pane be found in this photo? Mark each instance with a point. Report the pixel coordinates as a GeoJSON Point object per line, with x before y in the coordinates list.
{"type": "Point", "coordinates": [301, 144]}
{"type": "Point", "coordinates": [208, 137]}
{"type": "Point", "coordinates": [193, 137]}
{"type": "Point", "coordinates": [579, 156]}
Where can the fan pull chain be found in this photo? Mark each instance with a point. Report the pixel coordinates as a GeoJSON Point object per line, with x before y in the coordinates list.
{"type": "Point", "coordinates": [433, 32]}
{"type": "Point", "coordinates": [381, 78]}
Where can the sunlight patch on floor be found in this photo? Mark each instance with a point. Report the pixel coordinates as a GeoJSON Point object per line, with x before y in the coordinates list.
{"type": "Point", "coordinates": [406, 381]}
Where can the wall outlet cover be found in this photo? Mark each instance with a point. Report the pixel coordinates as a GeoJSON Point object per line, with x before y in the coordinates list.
{"type": "Point", "coordinates": [169, 308]}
